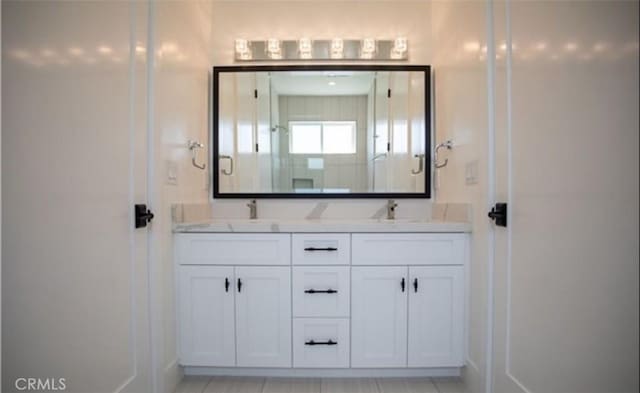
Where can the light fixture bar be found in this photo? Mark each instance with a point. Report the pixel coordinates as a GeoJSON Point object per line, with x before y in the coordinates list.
{"type": "Point", "coordinates": [309, 49]}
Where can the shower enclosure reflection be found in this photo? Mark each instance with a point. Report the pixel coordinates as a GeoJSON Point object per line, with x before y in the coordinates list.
{"type": "Point", "coordinates": [325, 132]}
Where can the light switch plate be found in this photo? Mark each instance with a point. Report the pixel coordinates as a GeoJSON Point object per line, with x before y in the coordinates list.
{"type": "Point", "coordinates": [172, 173]}
{"type": "Point", "coordinates": [471, 172]}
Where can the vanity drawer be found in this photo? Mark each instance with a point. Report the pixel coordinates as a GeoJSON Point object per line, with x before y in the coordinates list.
{"type": "Point", "coordinates": [321, 343]}
{"type": "Point", "coordinates": [321, 291]}
{"type": "Point", "coordinates": [233, 249]}
{"type": "Point", "coordinates": [408, 249]}
{"type": "Point", "coordinates": [321, 249]}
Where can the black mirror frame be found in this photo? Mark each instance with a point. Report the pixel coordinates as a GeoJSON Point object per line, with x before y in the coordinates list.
{"type": "Point", "coordinates": [329, 67]}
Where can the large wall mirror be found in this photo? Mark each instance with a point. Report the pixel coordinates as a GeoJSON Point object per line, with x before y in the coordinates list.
{"type": "Point", "coordinates": [321, 131]}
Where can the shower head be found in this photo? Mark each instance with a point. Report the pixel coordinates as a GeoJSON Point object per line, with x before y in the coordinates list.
{"type": "Point", "coordinates": [276, 127]}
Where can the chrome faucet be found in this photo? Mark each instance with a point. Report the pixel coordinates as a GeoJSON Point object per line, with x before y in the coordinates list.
{"type": "Point", "coordinates": [253, 209]}
{"type": "Point", "coordinates": [391, 209]}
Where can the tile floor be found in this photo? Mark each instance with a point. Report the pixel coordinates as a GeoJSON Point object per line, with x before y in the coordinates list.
{"type": "Point", "coordinates": [198, 384]}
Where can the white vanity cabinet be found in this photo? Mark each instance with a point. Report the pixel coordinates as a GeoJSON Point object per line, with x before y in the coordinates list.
{"type": "Point", "coordinates": [206, 315]}
{"type": "Point", "coordinates": [410, 315]}
{"type": "Point", "coordinates": [436, 316]}
{"type": "Point", "coordinates": [233, 300]}
{"type": "Point", "coordinates": [379, 316]}
{"type": "Point", "coordinates": [321, 300]}
{"type": "Point", "coordinates": [263, 316]}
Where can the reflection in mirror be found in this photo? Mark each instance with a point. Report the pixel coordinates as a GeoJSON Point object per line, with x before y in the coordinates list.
{"type": "Point", "coordinates": [321, 132]}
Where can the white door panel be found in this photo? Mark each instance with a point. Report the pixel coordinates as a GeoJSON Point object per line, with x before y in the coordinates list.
{"type": "Point", "coordinates": [263, 316]}
{"type": "Point", "coordinates": [436, 316]}
{"type": "Point", "coordinates": [379, 317]}
{"type": "Point", "coordinates": [74, 133]}
{"type": "Point", "coordinates": [207, 316]}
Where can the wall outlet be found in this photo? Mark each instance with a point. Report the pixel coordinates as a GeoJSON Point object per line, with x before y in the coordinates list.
{"type": "Point", "coordinates": [471, 172]}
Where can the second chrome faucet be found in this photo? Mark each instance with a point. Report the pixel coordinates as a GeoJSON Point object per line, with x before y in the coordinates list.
{"type": "Point", "coordinates": [391, 209]}
{"type": "Point", "coordinates": [253, 209]}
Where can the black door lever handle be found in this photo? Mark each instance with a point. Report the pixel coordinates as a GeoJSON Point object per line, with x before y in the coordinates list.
{"type": "Point", "coordinates": [498, 213]}
{"type": "Point", "coordinates": [143, 216]}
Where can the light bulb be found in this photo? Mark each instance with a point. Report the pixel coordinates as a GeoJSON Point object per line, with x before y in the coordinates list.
{"type": "Point", "coordinates": [273, 45]}
{"type": "Point", "coordinates": [337, 45]}
{"type": "Point", "coordinates": [368, 45]}
{"type": "Point", "coordinates": [400, 44]}
{"type": "Point", "coordinates": [242, 45]}
{"type": "Point", "coordinates": [305, 44]}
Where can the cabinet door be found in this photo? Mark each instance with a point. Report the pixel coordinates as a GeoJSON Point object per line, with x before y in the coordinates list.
{"type": "Point", "coordinates": [436, 316]}
{"type": "Point", "coordinates": [206, 319]}
{"type": "Point", "coordinates": [263, 316]}
{"type": "Point", "coordinates": [379, 317]}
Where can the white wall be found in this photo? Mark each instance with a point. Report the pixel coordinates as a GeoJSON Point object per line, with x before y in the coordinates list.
{"type": "Point", "coordinates": [180, 112]}
{"type": "Point", "coordinates": [461, 113]}
{"type": "Point", "coordinates": [320, 19]}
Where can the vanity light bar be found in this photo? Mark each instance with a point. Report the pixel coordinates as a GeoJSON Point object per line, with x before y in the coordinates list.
{"type": "Point", "coordinates": [307, 48]}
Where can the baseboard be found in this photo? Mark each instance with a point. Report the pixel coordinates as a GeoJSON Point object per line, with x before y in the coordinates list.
{"type": "Point", "coordinates": [172, 376]}
{"type": "Point", "coordinates": [324, 372]}
{"type": "Point", "coordinates": [473, 379]}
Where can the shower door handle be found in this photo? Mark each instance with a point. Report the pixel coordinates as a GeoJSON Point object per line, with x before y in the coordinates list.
{"type": "Point", "coordinates": [420, 158]}
{"type": "Point", "coordinates": [230, 171]}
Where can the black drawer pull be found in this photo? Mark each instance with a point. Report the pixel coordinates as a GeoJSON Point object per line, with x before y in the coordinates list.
{"type": "Point", "coordinates": [330, 342]}
{"type": "Point", "coordinates": [321, 249]}
{"type": "Point", "coordinates": [239, 285]}
{"type": "Point", "coordinates": [402, 284]}
{"type": "Point", "coordinates": [320, 291]}
{"type": "Point", "coordinates": [415, 285]}
{"type": "Point", "coordinates": [226, 284]}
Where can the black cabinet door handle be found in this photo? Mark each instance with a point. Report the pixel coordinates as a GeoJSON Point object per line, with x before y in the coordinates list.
{"type": "Point", "coordinates": [321, 249]}
{"type": "Point", "coordinates": [402, 284]}
{"type": "Point", "coordinates": [320, 291]}
{"type": "Point", "coordinates": [239, 285]}
{"type": "Point", "coordinates": [226, 284]}
{"type": "Point", "coordinates": [415, 285]}
{"type": "Point", "coordinates": [329, 342]}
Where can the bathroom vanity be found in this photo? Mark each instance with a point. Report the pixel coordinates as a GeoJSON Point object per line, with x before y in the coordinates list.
{"type": "Point", "coordinates": [299, 298]}
{"type": "Point", "coordinates": [322, 297]}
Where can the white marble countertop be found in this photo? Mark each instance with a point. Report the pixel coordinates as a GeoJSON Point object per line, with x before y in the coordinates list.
{"type": "Point", "coordinates": [320, 225]}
